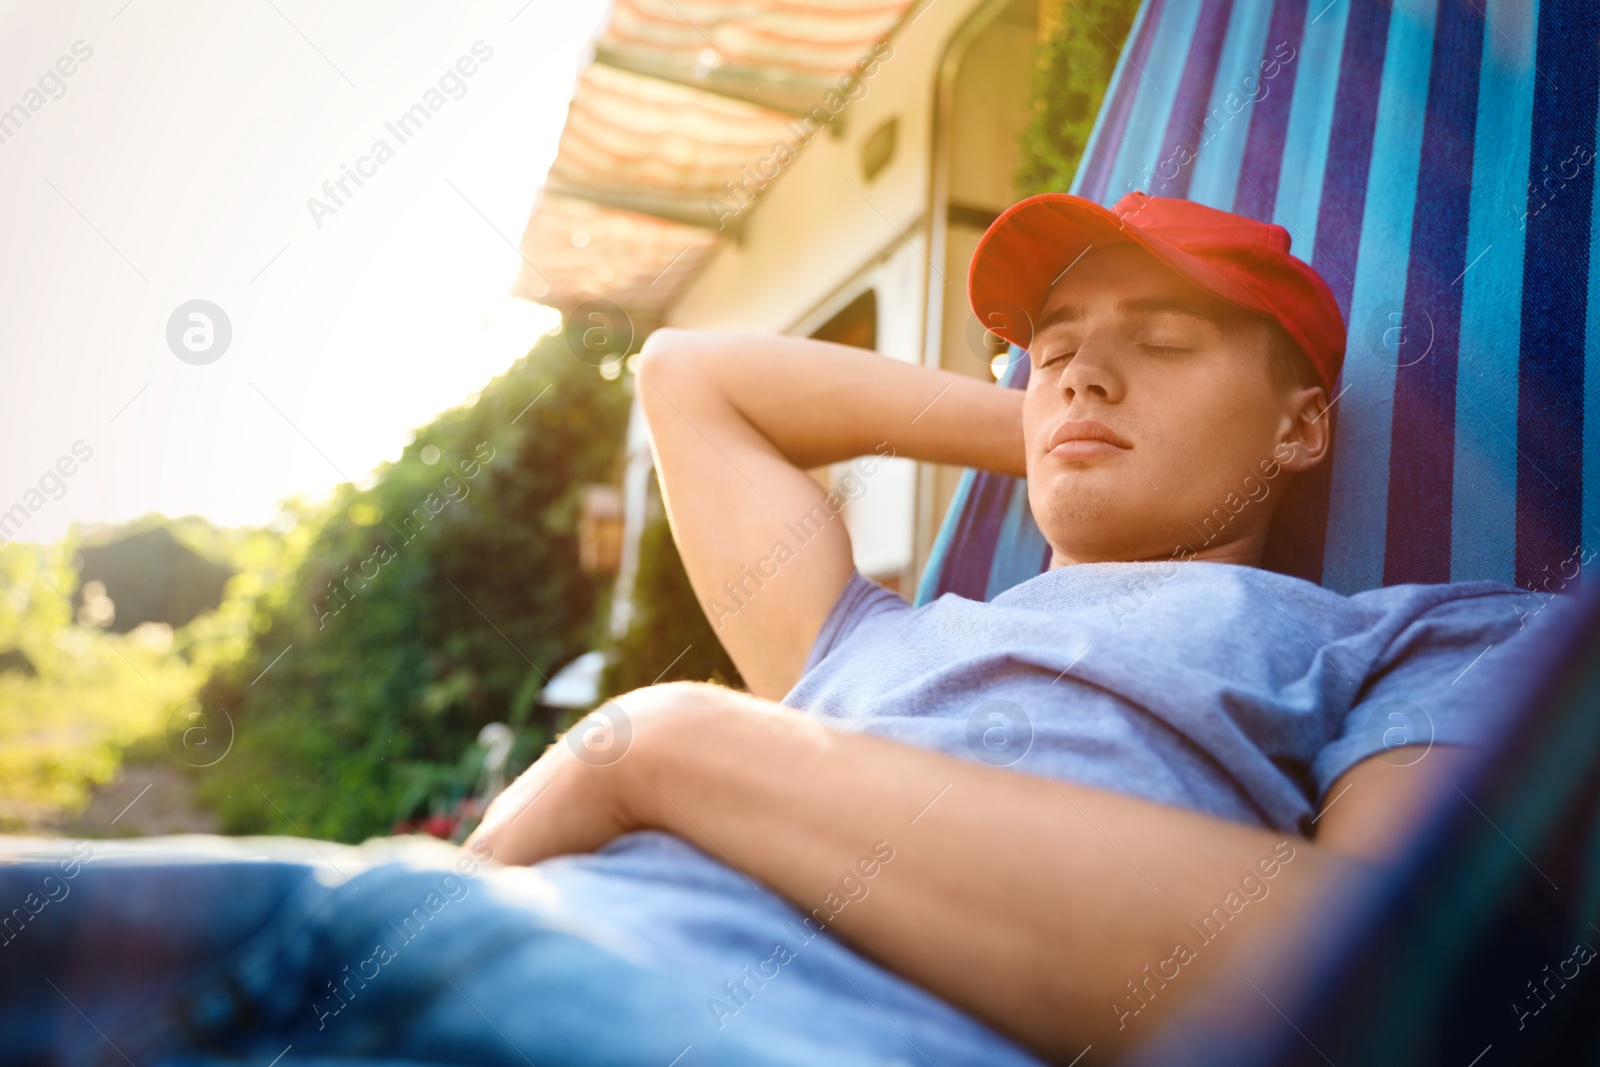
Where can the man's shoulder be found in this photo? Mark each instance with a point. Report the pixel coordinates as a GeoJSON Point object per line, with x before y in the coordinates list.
{"type": "Point", "coordinates": [1494, 604]}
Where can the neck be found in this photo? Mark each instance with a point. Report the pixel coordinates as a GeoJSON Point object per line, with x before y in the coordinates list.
{"type": "Point", "coordinates": [1245, 550]}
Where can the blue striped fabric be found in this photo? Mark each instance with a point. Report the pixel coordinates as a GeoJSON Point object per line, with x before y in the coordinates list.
{"type": "Point", "coordinates": [1446, 954]}
{"type": "Point", "coordinates": [1434, 160]}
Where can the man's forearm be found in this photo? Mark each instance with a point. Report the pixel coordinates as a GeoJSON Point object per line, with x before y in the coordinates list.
{"type": "Point", "coordinates": [822, 403]}
{"type": "Point", "coordinates": [1035, 904]}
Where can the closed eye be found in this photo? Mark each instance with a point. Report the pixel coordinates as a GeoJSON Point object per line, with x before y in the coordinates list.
{"type": "Point", "coordinates": [1059, 358]}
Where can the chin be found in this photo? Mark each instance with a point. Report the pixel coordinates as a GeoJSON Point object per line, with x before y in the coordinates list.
{"type": "Point", "coordinates": [1086, 520]}
{"type": "Point", "coordinates": [1065, 508]}
{"type": "Point", "coordinates": [1086, 489]}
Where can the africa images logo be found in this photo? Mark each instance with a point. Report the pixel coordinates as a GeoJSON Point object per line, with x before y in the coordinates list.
{"type": "Point", "coordinates": [199, 332]}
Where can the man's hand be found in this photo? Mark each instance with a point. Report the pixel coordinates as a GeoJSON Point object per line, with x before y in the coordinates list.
{"type": "Point", "coordinates": [584, 790]}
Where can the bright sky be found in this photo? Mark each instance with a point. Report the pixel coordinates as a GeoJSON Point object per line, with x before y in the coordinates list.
{"type": "Point", "coordinates": [175, 163]}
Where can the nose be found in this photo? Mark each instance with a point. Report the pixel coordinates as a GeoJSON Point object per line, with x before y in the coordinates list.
{"type": "Point", "coordinates": [1092, 371]}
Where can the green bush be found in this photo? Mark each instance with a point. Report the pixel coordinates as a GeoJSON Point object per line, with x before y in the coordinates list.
{"type": "Point", "coordinates": [434, 602]}
{"type": "Point", "coordinates": [71, 698]}
{"type": "Point", "coordinates": [1073, 65]}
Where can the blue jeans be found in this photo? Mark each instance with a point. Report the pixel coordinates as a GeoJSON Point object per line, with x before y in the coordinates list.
{"type": "Point", "coordinates": [193, 950]}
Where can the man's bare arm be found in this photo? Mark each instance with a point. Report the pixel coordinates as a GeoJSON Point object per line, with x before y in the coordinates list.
{"type": "Point", "coordinates": [736, 420]}
{"type": "Point", "coordinates": [1030, 902]}
{"type": "Point", "coordinates": [1370, 808]}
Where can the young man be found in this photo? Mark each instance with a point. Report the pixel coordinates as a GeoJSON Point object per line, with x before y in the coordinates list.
{"type": "Point", "coordinates": [1069, 777]}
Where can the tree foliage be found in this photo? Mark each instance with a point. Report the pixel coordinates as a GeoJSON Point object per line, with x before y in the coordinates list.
{"type": "Point", "coordinates": [76, 694]}
{"type": "Point", "coordinates": [436, 601]}
{"type": "Point", "coordinates": [1076, 55]}
{"type": "Point", "coordinates": [82, 696]}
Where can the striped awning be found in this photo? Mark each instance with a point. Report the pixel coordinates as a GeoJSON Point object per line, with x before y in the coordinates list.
{"type": "Point", "coordinates": [682, 98]}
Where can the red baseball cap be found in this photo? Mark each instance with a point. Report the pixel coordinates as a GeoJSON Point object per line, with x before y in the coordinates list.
{"type": "Point", "coordinates": [1241, 261]}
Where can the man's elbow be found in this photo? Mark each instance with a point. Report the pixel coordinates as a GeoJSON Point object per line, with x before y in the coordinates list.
{"type": "Point", "coordinates": [671, 345]}
{"type": "Point", "coordinates": [674, 369]}
{"type": "Point", "coordinates": [666, 353]}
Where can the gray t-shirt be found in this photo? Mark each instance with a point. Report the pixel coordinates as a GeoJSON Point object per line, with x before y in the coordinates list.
{"type": "Point", "coordinates": [1225, 689]}
{"type": "Point", "coordinates": [1220, 688]}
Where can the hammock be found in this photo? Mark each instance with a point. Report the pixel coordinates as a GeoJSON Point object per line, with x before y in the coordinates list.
{"type": "Point", "coordinates": [1434, 160]}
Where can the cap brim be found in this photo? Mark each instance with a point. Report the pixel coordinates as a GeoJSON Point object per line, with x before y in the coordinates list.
{"type": "Point", "coordinates": [1035, 242]}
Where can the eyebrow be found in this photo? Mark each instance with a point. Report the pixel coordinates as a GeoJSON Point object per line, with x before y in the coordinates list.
{"type": "Point", "coordinates": [1140, 305]}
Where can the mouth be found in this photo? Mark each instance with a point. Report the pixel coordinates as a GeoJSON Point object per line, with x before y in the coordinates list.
{"type": "Point", "coordinates": [1081, 439]}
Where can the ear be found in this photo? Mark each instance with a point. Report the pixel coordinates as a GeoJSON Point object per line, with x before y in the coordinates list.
{"type": "Point", "coordinates": [1307, 430]}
